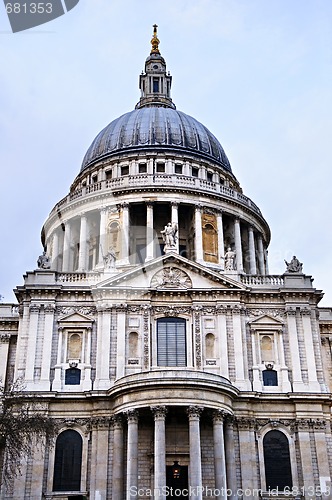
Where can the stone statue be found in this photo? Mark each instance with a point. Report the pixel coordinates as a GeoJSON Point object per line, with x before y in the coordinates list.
{"type": "Point", "coordinates": [110, 258]}
{"type": "Point", "coordinates": [229, 259]}
{"type": "Point", "coordinates": [169, 234]}
{"type": "Point", "coordinates": [294, 266]}
{"type": "Point", "coordinates": [43, 261]}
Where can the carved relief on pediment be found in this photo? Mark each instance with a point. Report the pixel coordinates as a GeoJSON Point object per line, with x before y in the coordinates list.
{"type": "Point", "coordinates": [171, 277]}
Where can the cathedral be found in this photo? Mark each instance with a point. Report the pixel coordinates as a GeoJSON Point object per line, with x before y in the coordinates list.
{"type": "Point", "coordinates": [152, 331]}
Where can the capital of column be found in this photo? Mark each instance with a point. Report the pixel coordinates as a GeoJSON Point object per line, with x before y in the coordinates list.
{"type": "Point", "coordinates": [49, 308]}
{"type": "Point", "coordinates": [4, 338]}
{"type": "Point", "coordinates": [149, 204]}
{"type": "Point", "coordinates": [219, 415]}
{"type": "Point", "coordinates": [199, 207]}
{"type": "Point", "coordinates": [174, 204]}
{"type": "Point", "coordinates": [132, 416]}
{"type": "Point", "coordinates": [117, 421]}
{"type": "Point", "coordinates": [159, 412]}
{"type": "Point", "coordinates": [194, 412]}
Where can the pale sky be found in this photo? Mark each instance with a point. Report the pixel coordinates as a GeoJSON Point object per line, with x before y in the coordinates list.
{"type": "Point", "coordinates": [257, 73]}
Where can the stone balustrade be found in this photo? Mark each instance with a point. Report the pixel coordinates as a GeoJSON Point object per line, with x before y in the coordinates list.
{"type": "Point", "coordinates": [268, 281]}
{"type": "Point", "coordinates": [131, 181]}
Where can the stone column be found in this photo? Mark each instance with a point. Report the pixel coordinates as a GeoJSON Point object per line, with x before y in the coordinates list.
{"type": "Point", "coordinates": [247, 452]}
{"type": "Point", "coordinates": [132, 454]}
{"type": "Point", "coordinates": [55, 251]}
{"type": "Point", "coordinates": [252, 252]}
{"type": "Point", "coordinates": [149, 232]}
{"type": "Point", "coordinates": [175, 220]}
{"type": "Point", "coordinates": [230, 457]}
{"type": "Point", "coordinates": [219, 452]}
{"type": "Point", "coordinates": [198, 234]}
{"type": "Point", "coordinates": [66, 247]}
{"type": "Point", "coordinates": [118, 465]}
{"type": "Point", "coordinates": [125, 234]}
{"type": "Point", "coordinates": [266, 255]}
{"type": "Point", "coordinates": [314, 385]}
{"type": "Point", "coordinates": [260, 249]}
{"type": "Point", "coordinates": [294, 349]}
{"type": "Point", "coordinates": [102, 236]}
{"type": "Point", "coordinates": [31, 351]}
{"type": "Point", "coordinates": [121, 340]}
{"type": "Point", "coordinates": [306, 454]}
{"type": "Point", "coordinates": [221, 244]}
{"type": "Point", "coordinates": [238, 245]}
{"type": "Point", "coordinates": [223, 343]}
{"type": "Point", "coordinates": [195, 479]}
{"type": "Point", "coordinates": [44, 383]}
{"type": "Point", "coordinates": [83, 244]}
{"type": "Point", "coordinates": [99, 458]}
{"type": "Point", "coordinates": [159, 451]}
{"type": "Point", "coordinates": [4, 350]}
{"type": "Point", "coordinates": [103, 349]}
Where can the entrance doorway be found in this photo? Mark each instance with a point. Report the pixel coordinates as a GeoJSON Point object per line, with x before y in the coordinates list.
{"type": "Point", "coordinates": [177, 487]}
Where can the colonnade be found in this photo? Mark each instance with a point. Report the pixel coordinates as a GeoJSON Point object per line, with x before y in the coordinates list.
{"type": "Point", "coordinates": [223, 448]}
{"type": "Point", "coordinates": [253, 261]}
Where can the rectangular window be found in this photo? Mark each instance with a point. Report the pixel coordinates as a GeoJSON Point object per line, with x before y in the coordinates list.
{"type": "Point", "coordinates": [171, 342]}
{"type": "Point", "coordinates": [178, 168]}
{"type": "Point", "coordinates": [209, 176]}
{"type": "Point", "coordinates": [125, 170]}
{"type": "Point", "coordinates": [108, 174]}
{"type": "Point", "coordinates": [142, 168]}
{"type": "Point", "coordinates": [94, 179]}
{"type": "Point", "coordinates": [160, 167]}
{"type": "Point", "coordinates": [156, 85]}
{"type": "Point", "coordinates": [194, 172]}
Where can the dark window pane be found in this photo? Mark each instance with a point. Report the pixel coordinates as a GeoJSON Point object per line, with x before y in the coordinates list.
{"type": "Point", "coordinates": [73, 376]}
{"type": "Point", "coordinates": [270, 377]}
{"type": "Point", "coordinates": [68, 462]}
{"type": "Point", "coordinates": [278, 471]}
{"type": "Point", "coordinates": [156, 85]}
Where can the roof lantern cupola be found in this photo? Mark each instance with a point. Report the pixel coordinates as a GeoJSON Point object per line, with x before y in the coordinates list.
{"type": "Point", "coordinates": [155, 83]}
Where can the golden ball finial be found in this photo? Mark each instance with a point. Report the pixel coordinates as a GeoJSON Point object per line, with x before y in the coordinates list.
{"type": "Point", "coordinates": [155, 41]}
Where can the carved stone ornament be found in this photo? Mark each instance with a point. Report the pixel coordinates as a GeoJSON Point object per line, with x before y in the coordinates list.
{"type": "Point", "coordinates": [159, 412]}
{"type": "Point", "coordinates": [4, 338]}
{"type": "Point", "coordinates": [219, 415]}
{"type": "Point", "coordinates": [275, 313]}
{"type": "Point", "coordinates": [194, 411]}
{"type": "Point", "coordinates": [171, 277]}
{"type": "Point", "coordinates": [132, 415]}
{"type": "Point", "coordinates": [146, 336]}
{"type": "Point", "coordinates": [117, 421]}
{"type": "Point", "coordinates": [171, 310]}
{"type": "Point", "coordinates": [85, 310]}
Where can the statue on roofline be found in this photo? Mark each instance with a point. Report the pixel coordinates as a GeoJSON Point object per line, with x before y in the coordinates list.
{"type": "Point", "coordinates": [294, 266]}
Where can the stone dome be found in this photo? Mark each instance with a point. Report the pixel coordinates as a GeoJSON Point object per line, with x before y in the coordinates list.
{"type": "Point", "coordinates": [152, 127]}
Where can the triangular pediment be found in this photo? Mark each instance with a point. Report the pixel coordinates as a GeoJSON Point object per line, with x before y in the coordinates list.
{"type": "Point", "coordinates": [170, 272]}
{"type": "Point", "coordinates": [75, 317]}
{"type": "Point", "coordinates": [266, 320]}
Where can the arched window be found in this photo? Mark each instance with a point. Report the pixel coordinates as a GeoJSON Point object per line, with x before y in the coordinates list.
{"type": "Point", "coordinates": [68, 462]}
{"type": "Point", "coordinates": [270, 377]}
{"type": "Point", "coordinates": [73, 376]}
{"type": "Point", "coordinates": [171, 342]}
{"type": "Point", "coordinates": [278, 471]}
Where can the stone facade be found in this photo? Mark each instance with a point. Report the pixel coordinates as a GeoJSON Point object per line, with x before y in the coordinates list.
{"type": "Point", "coordinates": [180, 364]}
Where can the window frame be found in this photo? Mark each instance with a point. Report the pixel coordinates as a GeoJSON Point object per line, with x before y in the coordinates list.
{"type": "Point", "coordinates": [181, 350]}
